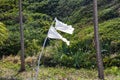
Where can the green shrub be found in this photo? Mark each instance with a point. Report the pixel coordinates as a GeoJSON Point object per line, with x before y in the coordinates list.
{"type": "Point", "coordinates": [112, 60]}
{"type": "Point", "coordinates": [113, 70]}
{"type": "Point", "coordinates": [32, 48]}
{"type": "Point", "coordinates": [3, 33]}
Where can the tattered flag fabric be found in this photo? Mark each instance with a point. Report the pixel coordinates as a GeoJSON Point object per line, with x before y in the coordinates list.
{"type": "Point", "coordinates": [63, 27]}
{"type": "Point", "coordinates": [52, 33]}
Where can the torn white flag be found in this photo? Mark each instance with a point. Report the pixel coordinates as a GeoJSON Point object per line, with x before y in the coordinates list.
{"type": "Point", "coordinates": [63, 27]}
{"type": "Point", "coordinates": [52, 33]}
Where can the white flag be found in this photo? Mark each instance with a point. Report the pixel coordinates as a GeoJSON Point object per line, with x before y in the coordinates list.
{"type": "Point", "coordinates": [63, 27]}
{"type": "Point", "coordinates": [52, 33]}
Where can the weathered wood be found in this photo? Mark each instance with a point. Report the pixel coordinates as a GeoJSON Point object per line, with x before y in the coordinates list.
{"type": "Point", "coordinates": [21, 37]}
{"type": "Point", "coordinates": [97, 43]}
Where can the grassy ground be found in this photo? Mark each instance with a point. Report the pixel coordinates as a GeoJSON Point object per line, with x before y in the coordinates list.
{"type": "Point", "coordinates": [9, 71]}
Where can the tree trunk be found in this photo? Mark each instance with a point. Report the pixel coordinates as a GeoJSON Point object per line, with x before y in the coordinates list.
{"type": "Point", "coordinates": [97, 43]}
{"type": "Point", "coordinates": [21, 37]}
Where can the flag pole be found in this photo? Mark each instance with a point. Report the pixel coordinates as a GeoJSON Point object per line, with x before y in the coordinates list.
{"type": "Point", "coordinates": [97, 43]}
{"type": "Point", "coordinates": [40, 55]}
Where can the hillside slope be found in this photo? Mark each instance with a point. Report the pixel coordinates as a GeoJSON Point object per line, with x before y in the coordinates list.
{"type": "Point", "coordinates": [37, 17]}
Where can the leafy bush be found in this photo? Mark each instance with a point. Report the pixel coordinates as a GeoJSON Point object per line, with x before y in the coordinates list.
{"type": "Point", "coordinates": [107, 14]}
{"type": "Point", "coordinates": [112, 60]}
{"type": "Point", "coordinates": [112, 70]}
{"type": "Point", "coordinates": [32, 48]}
{"type": "Point", "coordinates": [3, 33]}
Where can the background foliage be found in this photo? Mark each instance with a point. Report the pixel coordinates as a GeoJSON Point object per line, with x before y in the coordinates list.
{"type": "Point", "coordinates": [3, 33]}
{"type": "Point", "coordinates": [37, 17]}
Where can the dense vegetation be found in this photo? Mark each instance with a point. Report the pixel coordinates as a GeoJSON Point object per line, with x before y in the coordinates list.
{"type": "Point", "coordinates": [9, 72]}
{"type": "Point", "coordinates": [3, 33]}
{"type": "Point", "coordinates": [37, 18]}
